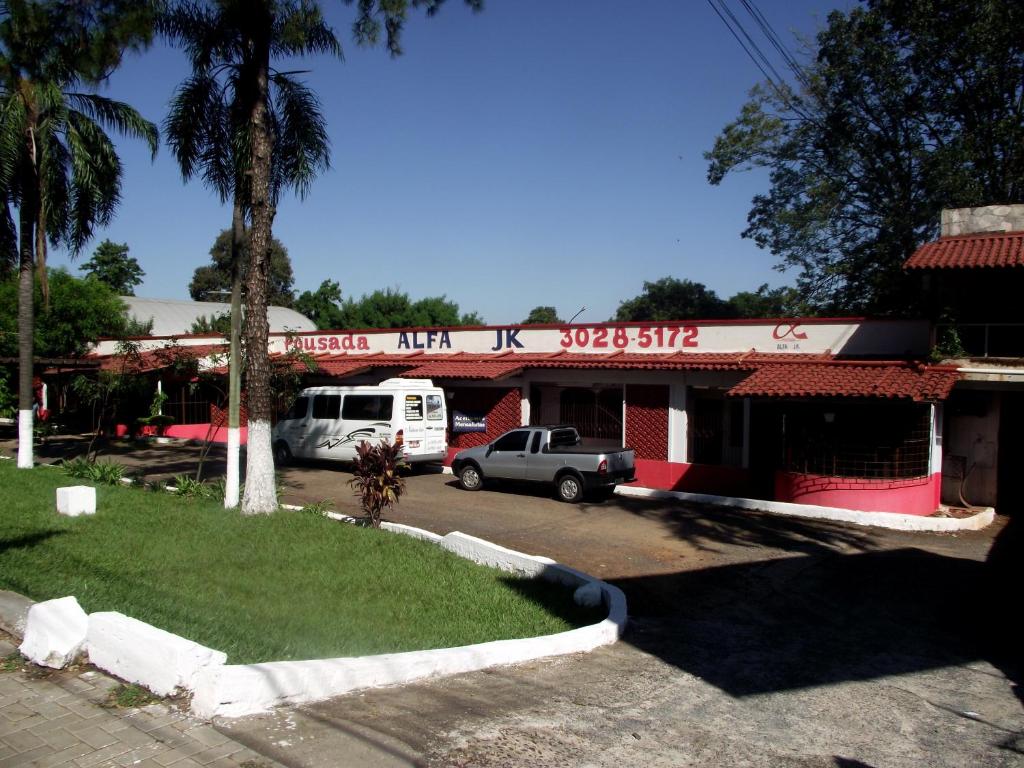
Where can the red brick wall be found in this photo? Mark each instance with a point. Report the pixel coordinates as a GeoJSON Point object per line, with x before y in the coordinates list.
{"type": "Point", "coordinates": [647, 421]}
{"type": "Point", "coordinates": [501, 405]}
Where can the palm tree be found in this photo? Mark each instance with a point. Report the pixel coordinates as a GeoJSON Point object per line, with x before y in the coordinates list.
{"type": "Point", "coordinates": [57, 164]}
{"type": "Point", "coordinates": [268, 30]}
{"type": "Point", "coordinates": [209, 135]}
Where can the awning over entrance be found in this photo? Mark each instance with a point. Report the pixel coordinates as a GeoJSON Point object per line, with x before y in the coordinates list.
{"type": "Point", "coordinates": [982, 250]}
{"type": "Point", "coordinates": [842, 379]}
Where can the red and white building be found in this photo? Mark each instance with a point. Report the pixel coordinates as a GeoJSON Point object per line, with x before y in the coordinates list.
{"type": "Point", "coordinates": [846, 412]}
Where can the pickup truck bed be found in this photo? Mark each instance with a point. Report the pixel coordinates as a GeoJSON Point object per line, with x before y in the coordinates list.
{"type": "Point", "coordinates": [545, 454]}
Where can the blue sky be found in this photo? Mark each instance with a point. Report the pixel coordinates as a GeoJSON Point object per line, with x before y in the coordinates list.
{"type": "Point", "coordinates": [542, 152]}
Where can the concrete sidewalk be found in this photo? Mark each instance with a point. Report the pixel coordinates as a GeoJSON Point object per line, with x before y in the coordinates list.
{"type": "Point", "coordinates": [63, 718]}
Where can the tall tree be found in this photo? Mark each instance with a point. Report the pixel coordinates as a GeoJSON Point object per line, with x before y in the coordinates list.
{"type": "Point", "coordinates": [542, 316]}
{"type": "Point", "coordinates": [211, 281]}
{"type": "Point", "coordinates": [264, 31]}
{"type": "Point", "coordinates": [57, 164]}
{"type": "Point", "coordinates": [111, 264]}
{"type": "Point", "coordinates": [322, 306]}
{"type": "Point", "coordinates": [908, 107]}
{"type": "Point", "coordinates": [672, 299]}
{"type": "Point", "coordinates": [211, 134]}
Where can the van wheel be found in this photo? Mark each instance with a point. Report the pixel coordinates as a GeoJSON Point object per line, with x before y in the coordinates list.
{"type": "Point", "coordinates": [282, 454]}
{"type": "Point", "coordinates": [570, 488]}
{"type": "Point", "coordinates": [470, 478]}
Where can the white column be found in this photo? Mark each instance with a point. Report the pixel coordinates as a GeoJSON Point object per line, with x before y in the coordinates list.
{"type": "Point", "coordinates": [746, 433]}
{"type": "Point", "coordinates": [46, 399]}
{"type": "Point", "coordinates": [524, 403]}
{"type": "Point", "coordinates": [678, 450]}
{"type": "Point", "coordinates": [160, 389]}
{"type": "Point", "coordinates": [936, 441]}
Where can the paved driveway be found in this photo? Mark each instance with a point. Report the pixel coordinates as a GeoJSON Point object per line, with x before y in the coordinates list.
{"type": "Point", "coordinates": [754, 640]}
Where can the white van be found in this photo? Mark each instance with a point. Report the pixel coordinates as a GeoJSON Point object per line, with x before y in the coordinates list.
{"type": "Point", "coordinates": [329, 422]}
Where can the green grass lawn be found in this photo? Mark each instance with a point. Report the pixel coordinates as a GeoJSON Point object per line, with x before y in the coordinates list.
{"type": "Point", "coordinates": [283, 586]}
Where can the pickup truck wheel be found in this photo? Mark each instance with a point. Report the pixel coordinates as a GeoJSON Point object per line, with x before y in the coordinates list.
{"type": "Point", "coordinates": [470, 478]}
{"type": "Point", "coordinates": [570, 488]}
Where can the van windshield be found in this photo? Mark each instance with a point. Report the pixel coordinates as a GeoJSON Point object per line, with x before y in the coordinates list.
{"type": "Point", "coordinates": [298, 409]}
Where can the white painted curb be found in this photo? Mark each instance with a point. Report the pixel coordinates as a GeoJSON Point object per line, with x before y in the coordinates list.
{"type": "Point", "coordinates": [892, 520]}
{"type": "Point", "coordinates": [879, 519]}
{"type": "Point", "coordinates": [244, 689]}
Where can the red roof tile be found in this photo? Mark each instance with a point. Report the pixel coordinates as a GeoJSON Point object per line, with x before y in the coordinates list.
{"type": "Point", "coordinates": [443, 369]}
{"type": "Point", "coordinates": [897, 381]}
{"type": "Point", "coordinates": [991, 249]}
{"type": "Point", "coordinates": [157, 359]}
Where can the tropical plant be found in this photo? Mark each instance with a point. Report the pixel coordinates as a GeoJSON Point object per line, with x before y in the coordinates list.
{"type": "Point", "coordinates": [58, 166]}
{"type": "Point", "coordinates": [241, 40]}
{"type": "Point", "coordinates": [106, 472]}
{"type": "Point", "coordinates": [249, 131]}
{"type": "Point", "coordinates": [377, 479]}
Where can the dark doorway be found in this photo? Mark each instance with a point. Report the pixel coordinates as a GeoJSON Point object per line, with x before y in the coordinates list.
{"type": "Point", "coordinates": [1009, 488]}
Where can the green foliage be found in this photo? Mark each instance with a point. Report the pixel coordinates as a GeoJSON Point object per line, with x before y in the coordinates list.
{"type": "Point", "coordinates": [213, 281]}
{"type": "Point", "coordinates": [542, 315]}
{"type": "Point", "coordinates": [104, 472]}
{"type": "Point", "coordinates": [129, 696]}
{"type": "Point", "coordinates": [376, 478]}
{"type": "Point", "coordinates": [906, 107]}
{"type": "Point", "coordinates": [672, 299]}
{"type": "Point", "coordinates": [219, 324]}
{"type": "Point", "coordinates": [8, 400]}
{"type": "Point", "coordinates": [111, 264]}
{"type": "Point", "coordinates": [190, 488]}
{"type": "Point", "coordinates": [317, 508]}
{"type": "Point", "coordinates": [948, 345]}
{"type": "Point", "coordinates": [12, 662]}
{"type": "Point", "coordinates": [322, 306]}
{"type": "Point", "coordinates": [766, 302]}
{"type": "Point", "coordinates": [393, 309]}
{"type": "Point", "coordinates": [81, 312]}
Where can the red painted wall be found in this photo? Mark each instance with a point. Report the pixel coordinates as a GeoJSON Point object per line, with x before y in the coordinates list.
{"type": "Point", "coordinates": [188, 432]}
{"type": "Point", "coordinates": [693, 478]}
{"type": "Point", "coordinates": [915, 496]}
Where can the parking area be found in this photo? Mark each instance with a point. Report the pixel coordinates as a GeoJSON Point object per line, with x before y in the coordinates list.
{"type": "Point", "coordinates": [754, 640]}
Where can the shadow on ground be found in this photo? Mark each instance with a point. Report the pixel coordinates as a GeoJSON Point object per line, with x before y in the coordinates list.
{"type": "Point", "coordinates": [823, 617]}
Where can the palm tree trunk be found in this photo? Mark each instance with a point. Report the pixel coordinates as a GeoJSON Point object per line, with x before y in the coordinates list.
{"type": "Point", "coordinates": [234, 357]}
{"type": "Point", "coordinates": [27, 217]}
{"type": "Point", "coordinates": [260, 491]}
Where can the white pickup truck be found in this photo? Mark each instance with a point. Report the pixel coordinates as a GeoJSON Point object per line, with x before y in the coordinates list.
{"type": "Point", "coordinates": [551, 454]}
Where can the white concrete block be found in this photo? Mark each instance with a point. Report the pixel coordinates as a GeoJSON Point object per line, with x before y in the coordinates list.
{"type": "Point", "coordinates": [143, 654]}
{"type": "Point", "coordinates": [55, 632]}
{"type": "Point", "coordinates": [589, 595]}
{"type": "Point", "coordinates": [75, 500]}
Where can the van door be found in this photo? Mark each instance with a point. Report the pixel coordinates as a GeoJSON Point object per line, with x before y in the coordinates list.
{"type": "Point", "coordinates": [364, 417]}
{"type": "Point", "coordinates": [437, 423]}
{"type": "Point", "coordinates": [414, 433]}
{"type": "Point", "coordinates": [322, 435]}
{"type": "Point", "coordinates": [293, 426]}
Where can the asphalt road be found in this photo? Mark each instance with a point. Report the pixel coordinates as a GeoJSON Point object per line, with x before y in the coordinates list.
{"type": "Point", "coordinates": [754, 640]}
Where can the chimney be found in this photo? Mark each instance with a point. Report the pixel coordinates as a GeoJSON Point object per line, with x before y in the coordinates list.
{"type": "Point", "coordinates": [987, 218]}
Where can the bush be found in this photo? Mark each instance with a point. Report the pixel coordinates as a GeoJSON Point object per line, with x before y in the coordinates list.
{"type": "Point", "coordinates": [106, 472]}
{"type": "Point", "coordinates": [377, 480]}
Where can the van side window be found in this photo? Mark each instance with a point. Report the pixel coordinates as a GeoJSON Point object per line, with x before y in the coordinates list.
{"type": "Point", "coordinates": [535, 445]}
{"type": "Point", "coordinates": [326, 406]}
{"type": "Point", "coordinates": [298, 409]}
{"type": "Point", "coordinates": [413, 408]}
{"type": "Point", "coordinates": [368, 407]}
{"type": "Point", "coordinates": [435, 408]}
{"type": "Point", "coordinates": [513, 441]}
